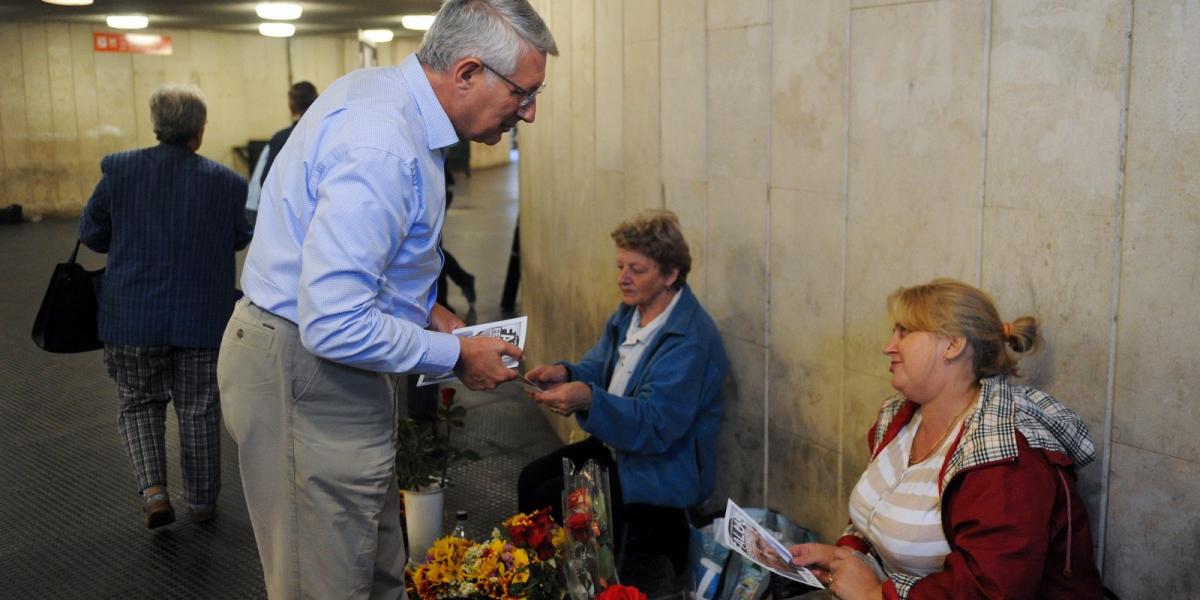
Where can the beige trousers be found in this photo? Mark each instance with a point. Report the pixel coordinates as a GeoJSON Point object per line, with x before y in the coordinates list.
{"type": "Point", "coordinates": [316, 446]}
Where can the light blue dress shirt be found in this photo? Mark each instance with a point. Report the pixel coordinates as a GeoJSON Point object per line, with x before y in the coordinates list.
{"type": "Point", "coordinates": [346, 244]}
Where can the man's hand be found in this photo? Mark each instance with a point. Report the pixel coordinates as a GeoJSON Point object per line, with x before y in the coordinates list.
{"type": "Point", "coordinates": [479, 362]}
{"type": "Point", "coordinates": [441, 319]}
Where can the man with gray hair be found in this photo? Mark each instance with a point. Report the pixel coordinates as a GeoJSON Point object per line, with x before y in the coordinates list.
{"type": "Point", "coordinates": [340, 286]}
{"type": "Point", "coordinates": [171, 222]}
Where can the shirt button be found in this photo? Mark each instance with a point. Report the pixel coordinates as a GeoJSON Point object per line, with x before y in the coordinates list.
{"type": "Point", "coordinates": [240, 333]}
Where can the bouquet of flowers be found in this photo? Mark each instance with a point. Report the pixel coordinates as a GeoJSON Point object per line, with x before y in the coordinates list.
{"type": "Point", "coordinates": [588, 552]}
{"type": "Point", "coordinates": [519, 562]}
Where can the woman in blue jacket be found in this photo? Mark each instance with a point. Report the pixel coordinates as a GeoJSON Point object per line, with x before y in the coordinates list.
{"type": "Point", "coordinates": [649, 392]}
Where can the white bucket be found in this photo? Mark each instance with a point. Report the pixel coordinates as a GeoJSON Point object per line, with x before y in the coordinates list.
{"type": "Point", "coordinates": [423, 516]}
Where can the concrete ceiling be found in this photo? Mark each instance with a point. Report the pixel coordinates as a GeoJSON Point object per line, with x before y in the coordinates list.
{"type": "Point", "coordinates": [325, 17]}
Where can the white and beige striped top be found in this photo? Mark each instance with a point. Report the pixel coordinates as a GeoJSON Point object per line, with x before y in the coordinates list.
{"type": "Point", "coordinates": [897, 506]}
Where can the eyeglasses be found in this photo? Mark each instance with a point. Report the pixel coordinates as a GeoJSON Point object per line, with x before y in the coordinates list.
{"type": "Point", "coordinates": [528, 96]}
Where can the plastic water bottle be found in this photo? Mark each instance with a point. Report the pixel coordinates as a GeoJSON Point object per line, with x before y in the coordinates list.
{"type": "Point", "coordinates": [460, 526]}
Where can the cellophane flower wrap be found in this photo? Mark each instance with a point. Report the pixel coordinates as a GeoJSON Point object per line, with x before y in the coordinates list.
{"type": "Point", "coordinates": [518, 562]}
{"type": "Point", "coordinates": [589, 564]}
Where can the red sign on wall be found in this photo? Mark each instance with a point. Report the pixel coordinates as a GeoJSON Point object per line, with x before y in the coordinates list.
{"type": "Point", "coordinates": [134, 43]}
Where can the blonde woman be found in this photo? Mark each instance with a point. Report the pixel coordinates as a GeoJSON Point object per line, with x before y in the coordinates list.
{"type": "Point", "coordinates": [971, 489]}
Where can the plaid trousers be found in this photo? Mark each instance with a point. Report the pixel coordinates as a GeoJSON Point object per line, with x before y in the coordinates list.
{"type": "Point", "coordinates": [147, 378]}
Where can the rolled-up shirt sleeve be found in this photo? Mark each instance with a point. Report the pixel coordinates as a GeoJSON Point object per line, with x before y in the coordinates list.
{"type": "Point", "coordinates": [366, 205]}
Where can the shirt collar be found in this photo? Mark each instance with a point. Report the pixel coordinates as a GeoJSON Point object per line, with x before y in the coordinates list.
{"type": "Point", "coordinates": [438, 128]}
{"type": "Point", "coordinates": [637, 333]}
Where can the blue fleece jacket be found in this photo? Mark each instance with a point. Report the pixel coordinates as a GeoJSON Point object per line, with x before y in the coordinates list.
{"type": "Point", "coordinates": [663, 429]}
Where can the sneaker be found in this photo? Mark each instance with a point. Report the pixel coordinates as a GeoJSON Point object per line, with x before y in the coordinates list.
{"type": "Point", "coordinates": [157, 510]}
{"type": "Point", "coordinates": [203, 513]}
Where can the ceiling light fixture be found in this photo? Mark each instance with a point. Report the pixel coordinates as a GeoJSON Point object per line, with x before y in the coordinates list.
{"type": "Point", "coordinates": [277, 29]}
{"type": "Point", "coordinates": [378, 36]}
{"type": "Point", "coordinates": [127, 21]}
{"type": "Point", "coordinates": [278, 11]}
{"type": "Point", "coordinates": [68, 2]}
{"type": "Point", "coordinates": [417, 22]}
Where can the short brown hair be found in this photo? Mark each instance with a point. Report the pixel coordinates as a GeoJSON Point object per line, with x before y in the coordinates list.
{"type": "Point", "coordinates": [301, 96]}
{"type": "Point", "coordinates": [656, 233]}
{"type": "Point", "coordinates": [953, 308]}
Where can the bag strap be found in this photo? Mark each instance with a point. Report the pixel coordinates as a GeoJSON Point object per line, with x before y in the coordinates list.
{"type": "Point", "coordinates": [74, 253]}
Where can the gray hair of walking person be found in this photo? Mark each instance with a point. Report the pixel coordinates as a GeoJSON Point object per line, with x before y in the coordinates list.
{"type": "Point", "coordinates": [656, 234]}
{"type": "Point", "coordinates": [496, 31]}
{"type": "Point", "coordinates": [178, 112]}
{"type": "Point", "coordinates": [952, 308]}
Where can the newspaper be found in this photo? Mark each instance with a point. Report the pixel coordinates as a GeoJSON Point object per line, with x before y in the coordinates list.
{"type": "Point", "coordinates": [748, 538]}
{"type": "Point", "coordinates": [509, 330]}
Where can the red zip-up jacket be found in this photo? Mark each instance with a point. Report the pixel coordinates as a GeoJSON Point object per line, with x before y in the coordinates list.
{"type": "Point", "coordinates": [1013, 518]}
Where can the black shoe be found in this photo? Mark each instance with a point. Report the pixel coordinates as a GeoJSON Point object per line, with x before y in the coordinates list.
{"type": "Point", "coordinates": [157, 511]}
{"type": "Point", "coordinates": [468, 289]}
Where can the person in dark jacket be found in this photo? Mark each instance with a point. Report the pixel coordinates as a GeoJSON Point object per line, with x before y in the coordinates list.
{"type": "Point", "coordinates": [649, 392]}
{"type": "Point", "coordinates": [171, 222]}
{"type": "Point", "coordinates": [971, 488]}
{"type": "Point", "coordinates": [300, 96]}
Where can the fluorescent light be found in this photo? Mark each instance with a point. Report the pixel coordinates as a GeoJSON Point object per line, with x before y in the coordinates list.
{"type": "Point", "coordinates": [68, 2]}
{"type": "Point", "coordinates": [278, 11]}
{"type": "Point", "coordinates": [127, 21]}
{"type": "Point", "coordinates": [277, 29]}
{"type": "Point", "coordinates": [378, 36]}
{"type": "Point", "coordinates": [417, 22]}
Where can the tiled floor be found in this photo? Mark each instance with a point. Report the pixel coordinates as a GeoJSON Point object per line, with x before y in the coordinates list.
{"type": "Point", "coordinates": [70, 520]}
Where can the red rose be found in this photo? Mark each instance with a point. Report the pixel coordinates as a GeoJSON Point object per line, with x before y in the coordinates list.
{"type": "Point", "coordinates": [448, 396]}
{"type": "Point", "coordinates": [537, 537]}
{"type": "Point", "coordinates": [621, 592]}
{"type": "Point", "coordinates": [580, 525]}
{"type": "Point", "coordinates": [577, 499]}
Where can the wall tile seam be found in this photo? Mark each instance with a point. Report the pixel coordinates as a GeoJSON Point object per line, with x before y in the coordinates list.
{"type": "Point", "coordinates": [1052, 210]}
{"type": "Point", "coordinates": [857, 371]}
{"type": "Point", "coordinates": [846, 79]}
{"type": "Point", "coordinates": [892, 4]}
{"type": "Point", "coordinates": [738, 26]}
{"type": "Point", "coordinates": [1114, 314]}
{"type": "Point", "coordinates": [807, 191]}
{"type": "Point", "coordinates": [1185, 459]}
{"type": "Point", "coordinates": [767, 263]}
{"type": "Point", "coordinates": [983, 138]}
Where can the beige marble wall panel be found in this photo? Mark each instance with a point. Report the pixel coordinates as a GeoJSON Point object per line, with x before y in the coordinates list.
{"type": "Point", "coordinates": [641, 20]}
{"type": "Point", "coordinates": [83, 73]}
{"type": "Point", "coordinates": [805, 315]}
{"type": "Point", "coordinates": [1154, 406]}
{"type": "Point", "coordinates": [1057, 268]}
{"type": "Point", "coordinates": [115, 102]}
{"type": "Point", "coordinates": [689, 201]}
{"type": "Point", "coordinates": [728, 14]}
{"type": "Point", "coordinates": [863, 396]}
{"type": "Point", "coordinates": [264, 85]}
{"type": "Point", "coordinates": [738, 123]}
{"type": "Point", "coordinates": [1054, 104]}
{"type": "Point", "coordinates": [14, 129]}
{"type": "Point", "coordinates": [684, 96]}
{"type": "Point", "coordinates": [610, 85]}
{"type": "Point", "coordinates": [804, 484]}
{"type": "Point", "coordinates": [808, 114]}
{"type": "Point", "coordinates": [42, 170]}
{"type": "Point", "coordinates": [745, 388]}
{"type": "Point", "coordinates": [65, 146]}
{"type": "Point", "coordinates": [148, 75]}
{"type": "Point", "coordinates": [317, 59]}
{"type": "Point", "coordinates": [1152, 506]}
{"type": "Point", "coordinates": [741, 446]}
{"type": "Point", "coordinates": [179, 67]}
{"type": "Point", "coordinates": [643, 181]}
{"type": "Point", "coordinates": [916, 80]}
{"type": "Point", "coordinates": [736, 285]}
